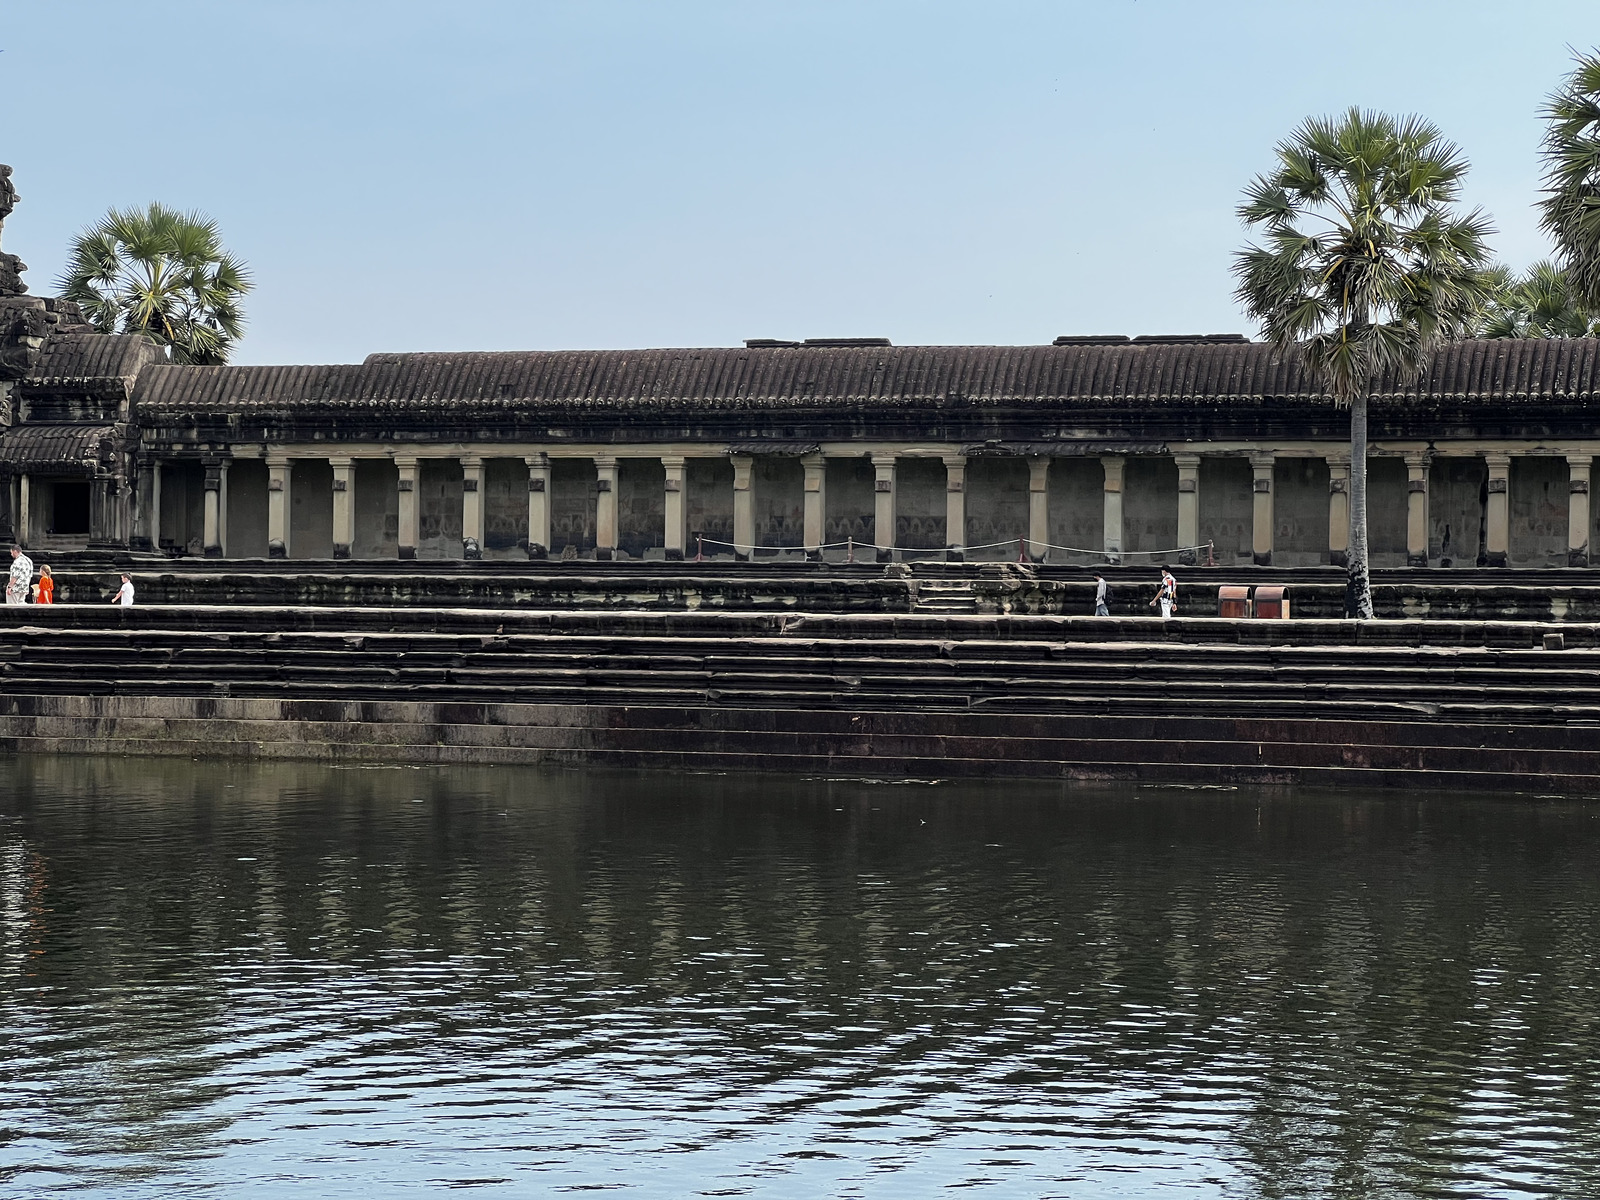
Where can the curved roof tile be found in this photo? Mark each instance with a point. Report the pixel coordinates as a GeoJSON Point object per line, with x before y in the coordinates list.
{"type": "Point", "coordinates": [810, 378]}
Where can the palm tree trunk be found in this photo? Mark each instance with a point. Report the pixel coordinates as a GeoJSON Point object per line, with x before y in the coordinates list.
{"type": "Point", "coordinates": [1358, 586]}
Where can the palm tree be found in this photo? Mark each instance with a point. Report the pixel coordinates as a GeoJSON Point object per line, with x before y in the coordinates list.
{"type": "Point", "coordinates": [161, 273]}
{"type": "Point", "coordinates": [1539, 304]}
{"type": "Point", "coordinates": [1364, 268]}
{"type": "Point", "coordinates": [1570, 211]}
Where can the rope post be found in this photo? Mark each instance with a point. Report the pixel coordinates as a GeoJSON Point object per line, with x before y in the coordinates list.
{"type": "Point", "coordinates": [699, 548]}
{"type": "Point", "coordinates": [1211, 554]}
{"type": "Point", "coordinates": [850, 548]}
{"type": "Point", "coordinates": [1022, 551]}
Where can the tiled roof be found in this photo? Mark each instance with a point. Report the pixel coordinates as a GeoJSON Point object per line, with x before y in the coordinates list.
{"type": "Point", "coordinates": [60, 449]}
{"type": "Point", "coordinates": [71, 360]}
{"type": "Point", "coordinates": [813, 378]}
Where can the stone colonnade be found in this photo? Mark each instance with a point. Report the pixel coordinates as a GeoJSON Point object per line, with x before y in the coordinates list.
{"type": "Point", "coordinates": [1111, 505]}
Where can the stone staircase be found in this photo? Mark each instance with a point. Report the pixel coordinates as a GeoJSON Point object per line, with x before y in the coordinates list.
{"type": "Point", "coordinates": [923, 587]}
{"type": "Point", "coordinates": [1480, 705]}
{"type": "Point", "coordinates": [944, 596]}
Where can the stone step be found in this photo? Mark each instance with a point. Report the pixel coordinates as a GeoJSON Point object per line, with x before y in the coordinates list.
{"type": "Point", "coordinates": [776, 743]}
{"type": "Point", "coordinates": [203, 620]}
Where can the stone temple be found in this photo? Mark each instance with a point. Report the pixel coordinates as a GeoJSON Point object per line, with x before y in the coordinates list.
{"type": "Point", "coordinates": [1087, 450]}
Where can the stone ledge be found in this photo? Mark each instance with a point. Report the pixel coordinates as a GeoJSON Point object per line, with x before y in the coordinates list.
{"type": "Point", "coordinates": [1192, 749]}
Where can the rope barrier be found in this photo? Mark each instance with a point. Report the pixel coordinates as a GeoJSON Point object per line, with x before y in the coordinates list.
{"type": "Point", "coordinates": [1022, 545]}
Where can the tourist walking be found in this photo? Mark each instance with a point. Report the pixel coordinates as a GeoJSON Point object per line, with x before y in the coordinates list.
{"type": "Point", "coordinates": [124, 594]}
{"type": "Point", "coordinates": [1100, 593]}
{"type": "Point", "coordinates": [1166, 597]}
{"type": "Point", "coordinates": [21, 577]}
{"type": "Point", "coordinates": [44, 592]}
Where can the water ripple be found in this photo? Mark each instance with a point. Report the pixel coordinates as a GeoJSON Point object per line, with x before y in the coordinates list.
{"type": "Point", "coordinates": [284, 981]}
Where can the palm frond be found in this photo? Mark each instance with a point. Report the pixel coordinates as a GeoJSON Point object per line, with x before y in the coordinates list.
{"type": "Point", "coordinates": [164, 274]}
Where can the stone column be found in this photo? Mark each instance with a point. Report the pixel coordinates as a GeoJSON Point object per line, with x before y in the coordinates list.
{"type": "Point", "coordinates": [1497, 533]}
{"type": "Point", "coordinates": [277, 506]}
{"type": "Point", "coordinates": [24, 512]}
{"type": "Point", "coordinates": [605, 514]}
{"type": "Point", "coordinates": [140, 501]}
{"type": "Point", "coordinates": [152, 499]}
{"type": "Point", "coordinates": [406, 486]}
{"type": "Point", "coordinates": [1417, 509]}
{"type": "Point", "coordinates": [815, 512]}
{"type": "Point", "coordinates": [538, 544]}
{"type": "Point", "coordinates": [222, 509]}
{"type": "Point", "coordinates": [1578, 509]}
{"type": "Point", "coordinates": [955, 507]}
{"type": "Point", "coordinates": [675, 507]}
{"type": "Point", "coordinates": [1188, 506]}
{"type": "Point", "coordinates": [883, 506]}
{"type": "Point", "coordinates": [212, 540]}
{"type": "Point", "coordinates": [1038, 507]}
{"type": "Point", "coordinates": [344, 506]}
{"type": "Point", "coordinates": [1113, 465]}
{"type": "Point", "coordinates": [8, 508]}
{"type": "Point", "coordinates": [471, 507]}
{"type": "Point", "coordinates": [1261, 526]}
{"type": "Point", "coordinates": [1338, 511]}
{"type": "Point", "coordinates": [744, 509]}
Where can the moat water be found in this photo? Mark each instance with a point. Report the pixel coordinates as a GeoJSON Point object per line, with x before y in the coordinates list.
{"type": "Point", "coordinates": [295, 981]}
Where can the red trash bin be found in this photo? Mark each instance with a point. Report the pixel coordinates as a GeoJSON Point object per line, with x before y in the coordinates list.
{"type": "Point", "coordinates": [1272, 603]}
{"type": "Point", "coordinates": [1233, 601]}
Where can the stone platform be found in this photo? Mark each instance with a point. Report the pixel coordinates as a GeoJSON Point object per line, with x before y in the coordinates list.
{"type": "Point", "coordinates": [790, 586]}
{"type": "Point", "coordinates": [1422, 703]}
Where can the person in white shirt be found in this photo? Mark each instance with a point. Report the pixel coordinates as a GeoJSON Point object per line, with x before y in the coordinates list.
{"type": "Point", "coordinates": [17, 583]}
{"type": "Point", "coordinates": [1166, 597]}
{"type": "Point", "coordinates": [124, 594]}
{"type": "Point", "coordinates": [1100, 609]}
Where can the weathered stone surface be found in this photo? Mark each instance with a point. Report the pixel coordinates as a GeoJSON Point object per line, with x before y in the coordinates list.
{"type": "Point", "coordinates": [995, 588]}
{"type": "Point", "coordinates": [1420, 754]}
{"type": "Point", "coordinates": [1434, 703]}
{"type": "Point", "coordinates": [11, 267]}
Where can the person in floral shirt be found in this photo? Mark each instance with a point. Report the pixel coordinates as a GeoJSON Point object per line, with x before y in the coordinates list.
{"type": "Point", "coordinates": [21, 577]}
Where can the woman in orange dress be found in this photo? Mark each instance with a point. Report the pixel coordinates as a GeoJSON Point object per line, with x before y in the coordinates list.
{"type": "Point", "coordinates": [44, 592]}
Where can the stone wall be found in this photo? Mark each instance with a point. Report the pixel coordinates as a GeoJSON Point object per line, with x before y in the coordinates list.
{"type": "Point", "coordinates": [641, 519]}
{"type": "Point", "coordinates": [573, 493]}
{"type": "Point", "coordinates": [850, 499]}
{"type": "Point", "coordinates": [1387, 495]}
{"type": "Point", "coordinates": [183, 506]}
{"type": "Point", "coordinates": [1300, 512]}
{"type": "Point", "coordinates": [1538, 499]}
{"type": "Point", "coordinates": [1227, 508]}
{"type": "Point", "coordinates": [920, 504]}
{"type": "Point", "coordinates": [1150, 506]}
{"type": "Point", "coordinates": [1077, 509]}
{"type": "Point", "coordinates": [311, 509]}
{"type": "Point", "coordinates": [377, 510]}
{"type": "Point", "coordinates": [997, 507]}
{"type": "Point", "coordinates": [779, 501]}
{"type": "Point", "coordinates": [1456, 500]}
{"type": "Point", "coordinates": [505, 507]}
{"type": "Point", "coordinates": [438, 508]}
{"type": "Point", "coordinates": [247, 510]}
{"type": "Point", "coordinates": [709, 483]}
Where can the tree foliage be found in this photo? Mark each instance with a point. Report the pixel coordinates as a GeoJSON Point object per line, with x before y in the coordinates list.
{"type": "Point", "coordinates": [1570, 211]}
{"type": "Point", "coordinates": [1536, 304]}
{"type": "Point", "coordinates": [1362, 267]}
{"type": "Point", "coordinates": [164, 274]}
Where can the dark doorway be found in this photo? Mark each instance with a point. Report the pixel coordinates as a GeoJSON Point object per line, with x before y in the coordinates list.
{"type": "Point", "coordinates": [71, 516]}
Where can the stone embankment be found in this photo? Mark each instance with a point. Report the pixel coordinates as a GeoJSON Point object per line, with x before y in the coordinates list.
{"type": "Point", "coordinates": [772, 586]}
{"type": "Point", "coordinates": [1423, 704]}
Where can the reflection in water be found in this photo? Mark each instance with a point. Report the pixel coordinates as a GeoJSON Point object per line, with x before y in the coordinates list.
{"type": "Point", "coordinates": [289, 980]}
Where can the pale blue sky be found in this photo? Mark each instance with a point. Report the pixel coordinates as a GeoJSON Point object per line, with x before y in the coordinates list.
{"type": "Point", "coordinates": [532, 175]}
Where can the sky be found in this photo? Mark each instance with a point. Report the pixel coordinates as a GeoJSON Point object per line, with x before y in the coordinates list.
{"type": "Point", "coordinates": [478, 175]}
